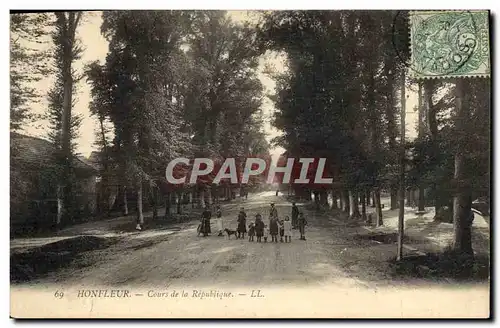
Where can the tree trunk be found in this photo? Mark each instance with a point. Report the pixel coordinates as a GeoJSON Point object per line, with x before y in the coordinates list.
{"type": "Point", "coordinates": [125, 202]}
{"type": "Point", "coordinates": [178, 202]}
{"type": "Point", "coordinates": [308, 194]}
{"type": "Point", "coordinates": [323, 198]}
{"type": "Point", "coordinates": [140, 215]}
{"type": "Point", "coordinates": [353, 205]}
{"type": "Point", "coordinates": [408, 198]}
{"type": "Point", "coordinates": [171, 200]}
{"type": "Point", "coordinates": [167, 206]}
{"type": "Point", "coordinates": [421, 199]}
{"type": "Point", "coordinates": [111, 199]}
{"type": "Point", "coordinates": [316, 198]}
{"type": "Point", "coordinates": [394, 198]}
{"type": "Point", "coordinates": [462, 232]}
{"type": "Point", "coordinates": [402, 163]}
{"type": "Point", "coordinates": [154, 203]}
{"type": "Point", "coordinates": [373, 199]}
{"type": "Point", "coordinates": [430, 110]}
{"type": "Point", "coordinates": [196, 199]}
{"type": "Point", "coordinates": [202, 198]}
{"type": "Point", "coordinates": [356, 204]}
{"type": "Point", "coordinates": [347, 206]}
{"type": "Point", "coordinates": [462, 201]}
{"type": "Point", "coordinates": [191, 200]}
{"type": "Point", "coordinates": [60, 205]}
{"type": "Point", "coordinates": [106, 190]}
{"type": "Point", "coordinates": [67, 23]}
{"type": "Point", "coordinates": [421, 133]}
{"type": "Point", "coordinates": [437, 201]}
{"type": "Point", "coordinates": [341, 201]}
{"type": "Point", "coordinates": [334, 200]}
{"type": "Point", "coordinates": [378, 208]}
{"type": "Point", "coordinates": [155, 211]}
{"type": "Point", "coordinates": [363, 205]}
{"type": "Point", "coordinates": [209, 195]}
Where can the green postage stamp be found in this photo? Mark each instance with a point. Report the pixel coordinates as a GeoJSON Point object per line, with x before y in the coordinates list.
{"type": "Point", "coordinates": [447, 44]}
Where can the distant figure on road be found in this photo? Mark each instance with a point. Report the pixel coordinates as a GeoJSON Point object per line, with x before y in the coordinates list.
{"type": "Point", "coordinates": [266, 229]}
{"type": "Point", "coordinates": [259, 227]}
{"type": "Point", "coordinates": [295, 215]}
{"type": "Point", "coordinates": [218, 221]}
{"type": "Point", "coordinates": [302, 226]}
{"type": "Point", "coordinates": [277, 192]}
{"type": "Point", "coordinates": [244, 193]}
{"type": "Point", "coordinates": [242, 223]}
{"type": "Point", "coordinates": [273, 228]}
{"type": "Point", "coordinates": [273, 212]}
{"type": "Point", "coordinates": [205, 221]}
{"type": "Point", "coordinates": [287, 227]}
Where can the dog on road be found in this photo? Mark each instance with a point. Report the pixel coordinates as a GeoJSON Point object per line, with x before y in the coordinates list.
{"type": "Point", "coordinates": [230, 232]}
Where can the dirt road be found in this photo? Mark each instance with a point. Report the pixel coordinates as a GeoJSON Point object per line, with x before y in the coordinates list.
{"type": "Point", "coordinates": [339, 271]}
{"type": "Point", "coordinates": [333, 254]}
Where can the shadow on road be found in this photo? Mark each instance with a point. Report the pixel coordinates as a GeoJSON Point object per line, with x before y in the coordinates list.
{"type": "Point", "coordinates": [37, 262]}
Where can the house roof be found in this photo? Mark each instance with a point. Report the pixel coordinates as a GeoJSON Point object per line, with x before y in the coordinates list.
{"type": "Point", "coordinates": [89, 162]}
{"type": "Point", "coordinates": [40, 152]}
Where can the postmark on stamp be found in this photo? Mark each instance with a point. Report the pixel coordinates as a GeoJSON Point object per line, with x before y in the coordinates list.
{"type": "Point", "coordinates": [447, 44]}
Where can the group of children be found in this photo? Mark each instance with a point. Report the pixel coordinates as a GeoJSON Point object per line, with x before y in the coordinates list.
{"type": "Point", "coordinates": [273, 227]}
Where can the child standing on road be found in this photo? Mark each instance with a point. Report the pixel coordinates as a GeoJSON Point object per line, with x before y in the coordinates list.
{"type": "Point", "coordinates": [282, 230]}
{"type": "Point", "coordinates": [242, 223]}
{"type": "Point", "coordinates": [287, 227]}
{"type": "Point", "coordinates": [266, 232]}
{"type": "Point", "coordinates": [251, 231]}
{"type": "Point", "coordinates": [302, 226]}
{"type": "Point", "coordinates": [273, 228]}
{"type": "Point", "coordinates": [259, 227]}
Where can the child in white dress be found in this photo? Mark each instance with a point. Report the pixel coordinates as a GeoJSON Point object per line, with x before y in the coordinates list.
{"type": "Point", "coordinates": [266, 230]}
{"type": "Point", "coordinates": [287, 227]}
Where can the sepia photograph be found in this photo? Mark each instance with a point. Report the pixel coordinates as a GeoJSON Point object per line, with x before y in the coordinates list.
{"type": "Point", "coordinates": [250, 164]}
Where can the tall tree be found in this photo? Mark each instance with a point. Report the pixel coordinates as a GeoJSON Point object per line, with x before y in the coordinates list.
{"type": "Point", "coordinates": [471, 156]}
{"type": "Point", "coordinates": [141, 89]}
{"type": "Point", "coordinates": [338, 97]}
{"type": "Point", "coordinates": [67, 50]}
{"type": "Point", "coordinates": [224, 97]}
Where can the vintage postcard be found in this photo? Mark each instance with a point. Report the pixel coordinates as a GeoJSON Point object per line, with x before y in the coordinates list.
{"type": "Point", "coordinates": [250, 164]}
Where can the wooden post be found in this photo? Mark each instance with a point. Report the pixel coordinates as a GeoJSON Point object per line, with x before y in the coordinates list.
{"type": "Point", "coordinates": [125, 201]}
{"type": "Point", "coordinates": [140, 215]}
{"type": "Point", "coordinates": [401, 218]}
{"type": "Point", "coordinates": [421, 118]}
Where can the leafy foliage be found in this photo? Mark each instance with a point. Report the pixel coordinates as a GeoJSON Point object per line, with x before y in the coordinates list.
{"type": "Point", "coordinates": [28, 63]}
